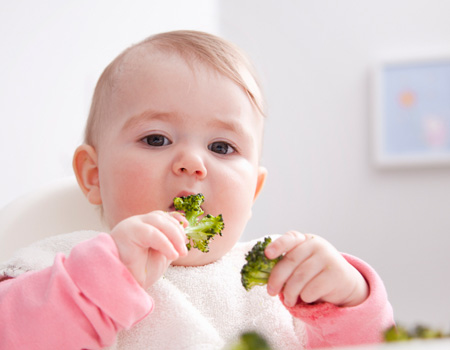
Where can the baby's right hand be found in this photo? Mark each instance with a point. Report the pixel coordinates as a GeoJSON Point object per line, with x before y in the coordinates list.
{"type": "Point", "coordinates": [148, 243]}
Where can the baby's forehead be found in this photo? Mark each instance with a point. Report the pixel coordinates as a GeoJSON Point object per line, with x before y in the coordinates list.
{"type": "Point", "coordinates": [130, 68]}
{"type": "Point", "coordinates": [140, 58]}
{"type": "Point", "coordinates": [133, 68]}
{"type": "Point", "coordinates": [138, 66]}
{"type": "Point", "coordinates": [196, 49]}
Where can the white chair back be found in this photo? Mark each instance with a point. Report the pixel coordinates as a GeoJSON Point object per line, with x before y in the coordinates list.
{"type": "Point", "coordinates": [57, 208]}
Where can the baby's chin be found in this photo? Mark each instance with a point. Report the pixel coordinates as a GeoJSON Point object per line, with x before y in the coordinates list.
{"type": "Point", "coordinates": [197, 258]}
{"type": "Point", "coordinates": [218, 247]}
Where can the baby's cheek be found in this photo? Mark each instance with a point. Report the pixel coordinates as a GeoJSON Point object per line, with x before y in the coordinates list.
{"type": "Point", "coordinates": [236, 217]}
{"type": "Point", "coordinates": [129, 194]}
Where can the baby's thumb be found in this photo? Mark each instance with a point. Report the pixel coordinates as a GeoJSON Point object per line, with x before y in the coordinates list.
{"type": "Point", "coordinates": [156, 266]}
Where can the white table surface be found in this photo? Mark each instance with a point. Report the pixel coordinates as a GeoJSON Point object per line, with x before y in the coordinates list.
{"type": "Point", "coordinates": [431, 344]}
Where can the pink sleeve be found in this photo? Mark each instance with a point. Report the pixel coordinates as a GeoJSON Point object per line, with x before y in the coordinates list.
{"type": "Point", "coordinates": [330, 325]}
{"type": "Point", "coordinates": [80, 302]}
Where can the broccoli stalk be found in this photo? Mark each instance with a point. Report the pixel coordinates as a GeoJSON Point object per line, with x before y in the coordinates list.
{"type": "Point", "coordinates": [199, 231]}
{"type": "Point", "coordinates": [258, 267]}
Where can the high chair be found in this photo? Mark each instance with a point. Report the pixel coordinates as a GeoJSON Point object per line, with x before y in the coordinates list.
{"type": "Point", "coordinates": [59, 207]}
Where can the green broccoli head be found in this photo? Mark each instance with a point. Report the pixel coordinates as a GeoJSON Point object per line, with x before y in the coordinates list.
{"type": "Point", "coordinates": [399, 333]}
{"type": "Point", "coordinates": [425, 332]}
{"type": "Point", "coordinates": [251, 341]}
{"type": "Point", "coordinates": [396, 333]}
{"type": "Point", "coordinates": [199, 231]}
{"type": "Point", "coordinates": [258, 267]}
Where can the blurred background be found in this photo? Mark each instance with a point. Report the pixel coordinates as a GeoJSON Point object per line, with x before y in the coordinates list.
{"type": "Point", "coordinates": [315, 60]}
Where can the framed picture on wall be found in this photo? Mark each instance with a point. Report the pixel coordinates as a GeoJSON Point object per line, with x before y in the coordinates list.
{"type": "Point", "coordinates": [411, 116]}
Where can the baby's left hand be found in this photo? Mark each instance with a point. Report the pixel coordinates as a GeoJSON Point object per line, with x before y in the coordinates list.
{"type": "Point", "coordinates": [313, 270]}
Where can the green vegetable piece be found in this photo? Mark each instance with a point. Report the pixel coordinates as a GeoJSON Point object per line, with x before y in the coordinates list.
{"type": "Point", "coordinates": [396, 333]}
{"type": "Point", "coordinates": [258, 267]}
{"type": "Point", "coordinates": [251, 341]}
{"type": "Point", "coordinates": [199, 231]}
{"type": "Point", "coordinates": [427, 333]}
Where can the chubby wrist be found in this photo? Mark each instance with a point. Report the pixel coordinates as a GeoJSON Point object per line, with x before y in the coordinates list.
{"type": "Point", "coordinates": [359, 294]}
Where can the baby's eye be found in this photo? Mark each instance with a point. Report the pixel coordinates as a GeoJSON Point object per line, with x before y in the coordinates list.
{"type": "Point", "coordinates": [221, 147]}
{"type": "Point", "coordinates": [156, 140]}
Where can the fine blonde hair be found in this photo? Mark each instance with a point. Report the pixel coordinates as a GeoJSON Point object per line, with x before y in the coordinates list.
{"type": "Point", "coordinates": [220, 54]}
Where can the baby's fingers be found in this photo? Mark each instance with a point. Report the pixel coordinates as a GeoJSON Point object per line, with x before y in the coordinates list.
{"type": "Point", "coordinates": [305, 281]}
{"type": "Point", "coordinates": [156, 265]}
{"type": "Point", "coordinates": [171, 226]}
{"type": "Point", "coordinates": [150, 237]}
{"type": "Point", "coordinates": [285, 268]}
{"type": "Point", "coordinates": [285, 243]}
{"type": "Point", "coordinates": [181, 219]}
{"type": "Point", "coordinates": [317, 289]}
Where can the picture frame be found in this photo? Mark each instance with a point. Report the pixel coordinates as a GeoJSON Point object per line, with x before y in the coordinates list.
{"type": "Point", "coordinates": [411, 111]}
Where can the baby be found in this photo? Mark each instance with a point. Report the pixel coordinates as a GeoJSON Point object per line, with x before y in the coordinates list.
{"type": "Point", "coordinates": [178, 114]}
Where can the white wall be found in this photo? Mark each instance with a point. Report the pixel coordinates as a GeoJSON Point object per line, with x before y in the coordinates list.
{"type": "Point", "coordinates": [52, 53]}
{"type": "Point", "coordinates": [314, 58]}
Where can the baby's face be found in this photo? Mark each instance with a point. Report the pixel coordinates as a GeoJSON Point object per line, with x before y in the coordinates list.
{"type": "Point", "coordinates": [174, 131]}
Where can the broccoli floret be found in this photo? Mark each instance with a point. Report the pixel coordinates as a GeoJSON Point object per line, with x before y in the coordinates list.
{"type": "Point", "coordinates": [251, 341]}
{"type": "Point", "coordinates": [425, 332]}
{"type": "Point", "coordinates": [396, 333]}
{"type": "Point", "coordinates": [199, 232]}
{"type": "Point", "coordinates": [258, 267]}
{"type": "Point", "coordinates": [399, 333]}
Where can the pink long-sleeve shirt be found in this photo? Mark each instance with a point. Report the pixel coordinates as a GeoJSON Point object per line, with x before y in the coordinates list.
{"type": "Point", "coordinates": [84, 300]}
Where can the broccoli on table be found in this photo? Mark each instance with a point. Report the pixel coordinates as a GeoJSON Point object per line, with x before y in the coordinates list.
{"type": "Point", "coordinates": [399, 333]}
{"type": "Point", "coordinates": [396, 333]}
{"type": "Point", "coordinates": [258, 267]}
{"type": "Point", "coordinates": [425, 332]}
{"type": "Point", "coordinates": [251, 341]}
{"type": "Point", "coordinates": [199, 231]}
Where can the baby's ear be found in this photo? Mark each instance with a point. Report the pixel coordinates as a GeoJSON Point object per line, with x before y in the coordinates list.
{"type": "Point", "coordinates": [85, 167]}
{"type": "Point", "coordinates": [262, 175]}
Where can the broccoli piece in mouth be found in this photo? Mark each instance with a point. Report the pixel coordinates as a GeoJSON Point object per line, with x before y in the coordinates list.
{"type": "Point", "coordinates": [257, 270]}
{"type": "Point", "coordinates": [199, 231]}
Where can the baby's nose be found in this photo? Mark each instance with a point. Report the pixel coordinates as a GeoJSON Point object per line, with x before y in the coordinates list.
{"type": "Point", "coordinates": [190, 164]}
